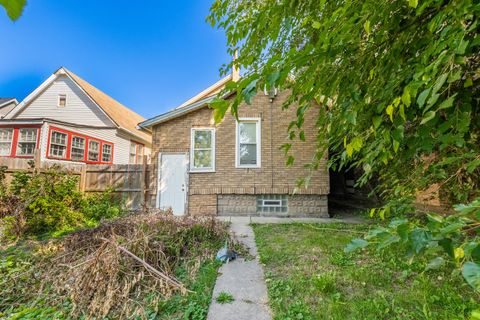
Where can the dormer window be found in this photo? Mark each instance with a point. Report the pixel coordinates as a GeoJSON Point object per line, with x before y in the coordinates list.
{"type": "Point", "coordinates": [62, 100]}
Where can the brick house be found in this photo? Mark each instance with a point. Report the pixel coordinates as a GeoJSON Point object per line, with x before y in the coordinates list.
{"type": "Point", "coordinates": [235, 168]}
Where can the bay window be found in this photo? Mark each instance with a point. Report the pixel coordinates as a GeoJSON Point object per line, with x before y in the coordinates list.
{"type": "Point", "coordinates": [248, 151]}
{"type": "Point", "coordinates": [202, 150]}
{"type": "Point", "coordinates": [6, 139]}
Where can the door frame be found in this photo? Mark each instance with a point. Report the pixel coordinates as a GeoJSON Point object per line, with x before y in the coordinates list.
{"type": "Point", "coordinates": [159, 176]}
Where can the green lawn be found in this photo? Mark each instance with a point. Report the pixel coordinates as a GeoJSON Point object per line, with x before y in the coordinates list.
{"type": "Point", "coordinates": [309, 277]}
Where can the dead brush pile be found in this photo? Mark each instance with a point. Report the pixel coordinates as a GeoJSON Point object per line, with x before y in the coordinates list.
{"type": "Point", "coordinates": [109, 270]}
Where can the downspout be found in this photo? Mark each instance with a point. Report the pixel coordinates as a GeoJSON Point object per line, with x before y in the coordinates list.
{"type": "Point", "coordinates": [272, 93]}
{"type": "Point", "coordinates": [271, 139]}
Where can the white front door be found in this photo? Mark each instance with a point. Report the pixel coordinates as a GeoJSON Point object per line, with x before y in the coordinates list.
{"type": "Point", "coordinates": [172, 191]}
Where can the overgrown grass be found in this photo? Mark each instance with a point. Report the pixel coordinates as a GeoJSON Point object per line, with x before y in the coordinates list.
{"type": "Point", "coordinates": [87, 275]}
{"type": "Point", "coordinates": [310, 277]}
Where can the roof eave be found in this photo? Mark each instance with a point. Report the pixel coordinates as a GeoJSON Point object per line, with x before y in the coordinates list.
{"type": "Point", "coordinates": [172, 114]}
{"type": "Point", "coordinates": [178, 112]}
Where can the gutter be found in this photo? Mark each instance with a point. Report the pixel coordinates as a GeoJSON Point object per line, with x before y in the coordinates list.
{"type": "Point", "coordinates": [175, 113]}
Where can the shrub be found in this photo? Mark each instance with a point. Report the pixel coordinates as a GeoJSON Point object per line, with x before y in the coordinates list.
{"type": "Point", "coordinates": [102, 206]}
{"type": "Point", "coordinates": [49, 202]}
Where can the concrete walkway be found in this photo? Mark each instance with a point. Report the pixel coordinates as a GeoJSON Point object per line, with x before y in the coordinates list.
{"type": "Point", "coordinates": [244, 280]}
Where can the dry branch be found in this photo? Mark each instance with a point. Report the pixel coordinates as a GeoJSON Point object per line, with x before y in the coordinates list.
{"type": "Point", "coordinates": [147, 266]}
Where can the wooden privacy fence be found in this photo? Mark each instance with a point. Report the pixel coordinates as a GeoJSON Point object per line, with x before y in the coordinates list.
{"type": "Point", "coordinates": [133, 183]}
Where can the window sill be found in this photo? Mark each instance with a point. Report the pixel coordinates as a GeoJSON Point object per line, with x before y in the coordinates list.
{"type": "Point", "coordinates": [201, 171]}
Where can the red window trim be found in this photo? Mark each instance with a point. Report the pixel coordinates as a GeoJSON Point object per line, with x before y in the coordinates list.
{"type": "Point", "coordinates": [68, 153]}
{"type": "Point", "coordinates": [136, 151]}
{"type": "Point", "coordinates": [16, 132]}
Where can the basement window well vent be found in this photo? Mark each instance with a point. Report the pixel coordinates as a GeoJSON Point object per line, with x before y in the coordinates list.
{"type": "Point", "coordinates": [272, 203]}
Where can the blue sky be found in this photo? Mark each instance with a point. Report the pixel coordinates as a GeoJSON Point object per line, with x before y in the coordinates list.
{"type": "Point", "coordinates": [149, 55]}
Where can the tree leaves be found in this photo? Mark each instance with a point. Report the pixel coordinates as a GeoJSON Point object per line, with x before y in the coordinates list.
{"type": "Point", "coordinates": [389, 112]}
{"type": "Point", "coordinates": [436, 263]}
{"type": "Point", "coordinates": [471, 273]}
{"type": "Point", "coordinates": [428, 116]}
{"type": "Point", "coordinates": [14, 8]}
{"type": "Point", "coordinates": [396, 91]}
{"type": "Point", "coordinates": [447, 103]}
{"type": "Point", "coordinates": [420, 238]}
{"type": "Point", "coordinates": [219, 107]}
{"type": "Point", "coordinates": [356, 244]}
{"type": "Point", "coordinates": [422, 97]}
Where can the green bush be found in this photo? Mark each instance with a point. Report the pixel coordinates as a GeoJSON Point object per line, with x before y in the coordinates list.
{"type": "Point", "coordinates": [49, 203]}
{"type": "Point", "coordinates": [102, 206]}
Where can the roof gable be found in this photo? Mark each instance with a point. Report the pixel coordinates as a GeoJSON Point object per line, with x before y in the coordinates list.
{"type": "Point", "coordinates": [110, 111]}
{"type": "Point", "coordinates": [121, 115]}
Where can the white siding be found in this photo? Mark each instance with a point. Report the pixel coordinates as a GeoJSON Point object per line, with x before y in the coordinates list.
{"type": "Point", "coordinates": [7, 108]}
{"type": "Point", "coordinates": [80, 109]}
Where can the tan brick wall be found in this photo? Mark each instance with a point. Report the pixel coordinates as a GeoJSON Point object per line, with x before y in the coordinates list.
{"type": "Point", "coordinates": [202, 204]}
{"type": "Point", "coordinates": [174, 136]}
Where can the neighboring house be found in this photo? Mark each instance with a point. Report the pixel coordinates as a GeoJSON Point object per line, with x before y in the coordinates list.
{"type": "Point", "coordinates": [235, 168]}
{"type": "Point", "coordinates": [71, 121]}
{"type": "Point", "coordinates": [6, 105]}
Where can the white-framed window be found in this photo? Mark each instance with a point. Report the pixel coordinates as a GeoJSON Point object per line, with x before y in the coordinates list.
{"type": "Point", "coordinates": [202, 150]}
{"type": "Point", "coordinates": [62, 100]}
{"type": "Point", "coordinates": [93, 150]}
{"type": "Point", "coordinates": [106, 152]}
{"type": "Point", "coordinates": [27, 141]}
{"type": "Point", "coordinates": [58, 144]}
{"type": "Point", "coordinates": [248, 146]}
{"type": "Point", "coordinates": [6, 140]}
{"type": "Point", "coordinates": [77, 153]}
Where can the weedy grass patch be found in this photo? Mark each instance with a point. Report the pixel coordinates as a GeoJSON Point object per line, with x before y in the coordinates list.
{"type": "Point", "coordinates": [146, 266]}
{"type": "Point", "coordinates": [225, 297]}
{"type": "Point", "coordinates": [309, 276]}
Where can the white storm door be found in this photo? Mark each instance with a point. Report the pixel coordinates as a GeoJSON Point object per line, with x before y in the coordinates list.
{"type": "Point", "coordinates": [172, 191]}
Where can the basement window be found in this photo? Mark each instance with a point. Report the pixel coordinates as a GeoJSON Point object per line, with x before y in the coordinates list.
{"type": "Point", "coordinates": [272, 203]}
